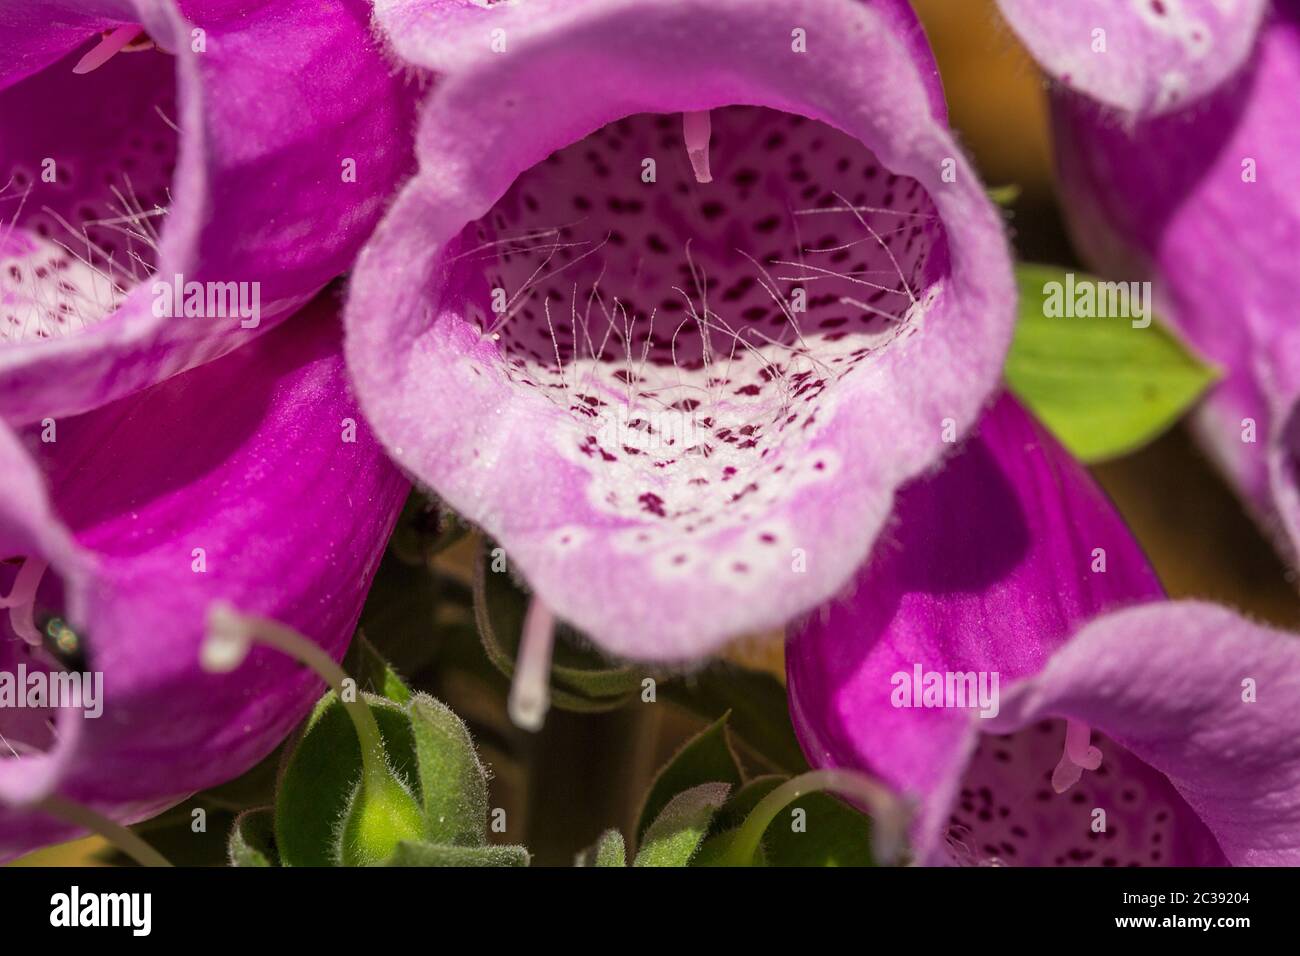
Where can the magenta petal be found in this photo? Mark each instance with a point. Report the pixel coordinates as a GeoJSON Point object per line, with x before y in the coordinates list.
{"type": "Point", "coordinates": [1140, 56]}
{"type": "Point", "coordinates": [1207, 202]}
{"type": "Point", "coordinates": [1169, 681]}
{"type": "Point", "coordinates": [667, 455]}
{"type": "Point", "coordinates": [249, 459]}
{"type": "Point", "coordinates": [227, 165]}
{"type": "Point", "coordinates": [988, 567]}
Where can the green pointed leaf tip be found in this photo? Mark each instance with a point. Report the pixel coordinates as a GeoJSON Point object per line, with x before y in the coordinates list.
{"type": "Point", "coordinates": [1101, 386]}
{"type": "Point", "coordinates": [252, 839]}
{"type": "Point", "coordinates": [760, 713]}
{"type": "Point", "coordinates": [678, 831]}
{"type": "Point", "coordinates": [452, 780]}
{"type": "Point", "coordinates": [610, 850]}
{"type": "Point", "coordinates": [706, 758]}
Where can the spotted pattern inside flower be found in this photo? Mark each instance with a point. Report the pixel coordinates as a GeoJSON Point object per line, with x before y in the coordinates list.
{"type": "Point", "coordinates": [81, 212]}
{"type": "Point", "coordinates": [691, 334]}
{"type": "Point", "coordinates": [1008, 814]}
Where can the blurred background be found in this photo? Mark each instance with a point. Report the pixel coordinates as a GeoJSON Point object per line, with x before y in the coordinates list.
{"type": "Point", "coordinates": [588, 771]}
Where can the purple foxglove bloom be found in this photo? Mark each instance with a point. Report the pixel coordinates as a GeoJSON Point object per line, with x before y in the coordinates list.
{"type": "Point", "coordinates": [681, 293]}
{"type": "Point", "coordinates": [1140, 56]}
{"type": "Point", "coordinates": [1100, 726]}
{"type": "Point", "coordinates": [251, 481]}
{"type": "Point", "coordinates": [151, 148]}
{"type": "Point", "coordinates": [1206, 201]}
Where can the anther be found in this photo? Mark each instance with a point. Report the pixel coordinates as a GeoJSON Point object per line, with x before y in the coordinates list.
{"type": "Point", "coordinates": [108, 47]}
{"type": "Point", "coordinates": [1079, 756]}
{"type": "Point", "coordinates": [697, 128]}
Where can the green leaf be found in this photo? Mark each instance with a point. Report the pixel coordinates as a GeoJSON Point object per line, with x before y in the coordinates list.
{"type": "Point", "coordinates": [832, 834]}
{"type": "Point", "coordinates": [452, 780]}
{"type": "Point", "coordinates": [705, 758]}
{"type": "Point", "coordinates": [1103, 387]}
{"type": "Point", "coordinates": [582, 679]}
{"type": "Point", "coordinates": [835, 835]}
{"type": "Point", "coordinates": [1004, 195]}
{"type": "Point", "coordinates": [252, 838]}
{"type": "Point", "coordinates": [432, 854]}
{"type": "Point", "coordinates": [609, 850]}
{"type": "Point", "coordinates": [743, 801]}
{"type": "Point", "coordinates": [681, 826]}
{"type": "Point", "coordinates": [320, 774]}
{"type": "Point", "coordinates": [757, 703]}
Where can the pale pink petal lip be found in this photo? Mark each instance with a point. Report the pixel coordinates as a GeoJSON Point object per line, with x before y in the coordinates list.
{"type": "Point", "coordinates": [219, 157]}
{"type": "Point", "coordinates": [1140, 56]}
{"type": "Point", "coordinates": [504, 454]}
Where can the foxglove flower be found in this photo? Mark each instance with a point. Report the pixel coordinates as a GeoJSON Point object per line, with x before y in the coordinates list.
{"type": "Point", "coordinates": [681, 293]}
{"type": "Point", "coordinates": [248, 481]}
{"type": "Point", "coordinates": [152, 148]}
{"type": "Point", "coordinates": [1101, 726]}
{"type": "Point", "coordinates": [1206, 201]}
{"type": "Point", "coordinates": [1140, 56]}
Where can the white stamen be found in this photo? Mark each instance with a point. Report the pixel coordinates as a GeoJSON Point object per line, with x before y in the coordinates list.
{"type": "Point", "coordinates": [1079, 756]}
{"type": "Point", "coordinates": [107, 48]}
{"type": "Point", "coordinates": [21, 600]}
{"type": "Point", "coordinates": [530, 694]}
{"type": "Point", "coordinates": [697, 128]}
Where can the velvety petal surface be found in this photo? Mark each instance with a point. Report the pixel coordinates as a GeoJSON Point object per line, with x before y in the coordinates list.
{"type": "Point", "coordinates": [249, 147]}
{"type": "Point", "coordinates": [1140, 56]}
{"type": "Point", "coordinates": [988, 566]}
{"type": "Point", "coordinates": [1202, 695]}
{"type": "Point", "coordinates": [250, 480]}
{"type": "Point", "coordinates": [598, 357]}
{"type": "Point", "coordinates": [1206, 201]}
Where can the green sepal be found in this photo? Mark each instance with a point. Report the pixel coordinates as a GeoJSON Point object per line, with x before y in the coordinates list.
{"type": "Point", "coordinates": [679, 829]}
{"type": "Point", "coordinates": [252, 839]}
{"type": "Point", "coordinates": [453, 782]}
{"type": "Point", "coordinates": [609, 850]}
{"type": "Point", "coordinates": [433, 854]}
{"type": "Point", "coordinates": [320, 774]}
{"type": "Point", "coordinates": [707, 757]}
